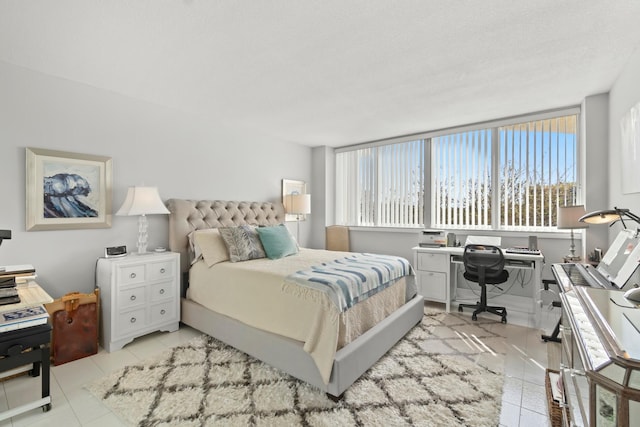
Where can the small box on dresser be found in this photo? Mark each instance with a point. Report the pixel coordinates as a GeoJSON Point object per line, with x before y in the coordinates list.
{"type": "Point", "coordinates": [140, 294]}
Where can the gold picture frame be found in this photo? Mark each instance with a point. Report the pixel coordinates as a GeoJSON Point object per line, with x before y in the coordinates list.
{"type": "Point", "coordinates": [67, 190]}
{"type": "Point", "coordinates": [292, 186]}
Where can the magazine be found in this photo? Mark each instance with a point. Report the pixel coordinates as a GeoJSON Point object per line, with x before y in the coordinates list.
{"type": "Point", "coordinates": [23, 318]}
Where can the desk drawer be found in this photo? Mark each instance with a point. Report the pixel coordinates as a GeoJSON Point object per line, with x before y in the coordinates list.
{"type": "Point", "coordinates": [433, 262]}
{"type": "Point", "coordinates": [432, 285]}
{"type": "Point", "coordinates": [22, 339]}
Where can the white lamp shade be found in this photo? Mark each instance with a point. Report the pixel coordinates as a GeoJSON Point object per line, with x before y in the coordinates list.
{"type": "Point", "coordinates": [299, 204]}
{"type": "Point", "coordinates": [142, 201]}
{"type": "Point", "coordinates": [569, 217]}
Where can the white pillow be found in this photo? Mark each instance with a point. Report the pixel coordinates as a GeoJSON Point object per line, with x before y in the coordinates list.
{"type": "Point", "coordinates": [209, 245]}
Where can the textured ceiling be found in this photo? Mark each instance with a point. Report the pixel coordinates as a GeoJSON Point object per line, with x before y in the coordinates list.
{"type": "Point", "coordinates": [330, 72]}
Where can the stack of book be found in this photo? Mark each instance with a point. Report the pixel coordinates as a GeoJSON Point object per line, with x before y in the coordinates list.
{"type": "Point", "coordinates": [23, 318]}
{"type": "Point", "coordinates": [10, 276]}
{"type": "Point", "coordinates": [8, 291]}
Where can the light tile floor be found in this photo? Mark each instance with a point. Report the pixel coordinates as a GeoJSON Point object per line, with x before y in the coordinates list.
{"type": "Point", "coordinates": [523, 400]}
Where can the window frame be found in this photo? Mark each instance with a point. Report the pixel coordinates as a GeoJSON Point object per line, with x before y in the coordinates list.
{"type": "Point", "coordinates": [429, 182]}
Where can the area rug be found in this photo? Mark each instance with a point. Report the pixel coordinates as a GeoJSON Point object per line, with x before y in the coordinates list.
{"type": "Point", "coordinates": [447, 371]}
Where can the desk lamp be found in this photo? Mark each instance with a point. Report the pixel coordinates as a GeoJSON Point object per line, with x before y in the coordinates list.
{"type": "Point", "coordinates": [569, 218]}
{"type": "Point", "coordinates": [142, 201]}
{"type": "Point", "coordinates": [609, 216]}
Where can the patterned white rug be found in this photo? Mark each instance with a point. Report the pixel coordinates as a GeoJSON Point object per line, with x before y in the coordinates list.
{"type": "Point", "coordinates": [446, 372]}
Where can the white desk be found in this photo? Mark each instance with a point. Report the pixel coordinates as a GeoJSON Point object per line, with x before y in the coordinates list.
{"type": "Point", "coordinates": [437, 278]}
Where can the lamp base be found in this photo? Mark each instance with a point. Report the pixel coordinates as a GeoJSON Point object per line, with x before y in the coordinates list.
{"type": "Point", "coordinates": [569, 258]}
{"type": "Point", "coordinates": [143, 226]}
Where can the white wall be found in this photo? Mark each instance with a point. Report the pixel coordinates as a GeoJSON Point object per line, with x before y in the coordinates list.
{"type": "Point", "coordinates": [183, 155]}
{"type": "Point", "coordinates": [594, 130]}
{"type": "Point", "coordinates": [624, 94]}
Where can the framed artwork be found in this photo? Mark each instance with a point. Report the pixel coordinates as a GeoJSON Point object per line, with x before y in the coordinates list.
{"type": "Point", "coordinates": [67, 190]}
{"type": "Point", "coordinates": [289, 187]}
{"type": "Point", "coordinates": [630, 140]}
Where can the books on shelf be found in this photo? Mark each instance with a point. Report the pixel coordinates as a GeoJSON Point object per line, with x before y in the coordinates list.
{"type": "Point", "coordinates": [23, 318]}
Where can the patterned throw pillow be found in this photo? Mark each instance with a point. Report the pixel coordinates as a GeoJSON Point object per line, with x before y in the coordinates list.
{"type": "Point", "coordinates": [242, 243]}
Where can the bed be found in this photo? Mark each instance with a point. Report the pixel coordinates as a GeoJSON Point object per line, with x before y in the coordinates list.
{"type": "Point", "coordinates": [330, 358]}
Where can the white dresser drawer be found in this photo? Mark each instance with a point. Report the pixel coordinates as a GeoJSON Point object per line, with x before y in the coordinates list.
{"type": "Point", "coordinates": [131, 274]}
{"type": "Point", "coordinates": [131, 297]}
{"type": "Point", "coordinates": [130, 321]}
{"type": "Point", "coordinates": [162, 291]}
{"type": "Point", "coordinates": [433, 262]}
{"type": "Point", "coordinates": [161, 270]}
{"type": "Point", "coordinates": [165, 312]}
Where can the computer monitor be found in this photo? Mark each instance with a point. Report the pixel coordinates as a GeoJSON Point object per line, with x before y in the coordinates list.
{"type": "Point", "coordinates": [621, 259]}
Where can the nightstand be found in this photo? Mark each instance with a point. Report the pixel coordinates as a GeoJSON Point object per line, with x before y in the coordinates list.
{"type": "Point", "coordinates": [140, 294]}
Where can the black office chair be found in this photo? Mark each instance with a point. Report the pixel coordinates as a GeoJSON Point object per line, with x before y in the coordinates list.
{"type": "Point", "coordinates": [484, 264]}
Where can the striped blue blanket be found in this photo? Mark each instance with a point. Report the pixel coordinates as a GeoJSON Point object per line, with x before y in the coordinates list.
{"type": "Point", "coordinates": [354, 278]}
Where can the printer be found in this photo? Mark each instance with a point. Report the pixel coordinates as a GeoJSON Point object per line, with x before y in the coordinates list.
{"type": "Point", "coordinates": [430, 238]}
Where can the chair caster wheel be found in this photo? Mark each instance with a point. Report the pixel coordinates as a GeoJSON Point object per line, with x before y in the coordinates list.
{"type": "Point", "coordinates": [460, 309]}
{"type": "Point", "coordinates": [46, 408]}
{"type": "Point", "coordinates": [474, 317]}
{"type": "Point", "coordinates": [504, 319]}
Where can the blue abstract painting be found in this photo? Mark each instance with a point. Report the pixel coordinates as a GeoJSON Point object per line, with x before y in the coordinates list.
{"type": "Point", "coordinates": [70, 190]}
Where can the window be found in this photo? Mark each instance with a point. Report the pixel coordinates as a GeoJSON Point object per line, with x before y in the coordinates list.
{"type": "Point", "coordinates": [507, 175]}
{"type": "Point", "coordinates": [381, 186]}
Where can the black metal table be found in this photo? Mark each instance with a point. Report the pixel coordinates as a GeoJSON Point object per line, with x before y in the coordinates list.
{"type": "Point", "coordinates": [22, 347]}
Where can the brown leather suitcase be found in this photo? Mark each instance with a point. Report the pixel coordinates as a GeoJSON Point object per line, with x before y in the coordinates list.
{"type": "Point", "coordinates": [74, 319]}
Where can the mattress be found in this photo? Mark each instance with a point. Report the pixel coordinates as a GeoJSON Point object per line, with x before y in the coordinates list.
{"type": "Point", "coordinates": [252, 292]}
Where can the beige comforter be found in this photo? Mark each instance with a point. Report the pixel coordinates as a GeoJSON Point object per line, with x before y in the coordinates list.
{"type": "Point", "coordinates": [252, 292]}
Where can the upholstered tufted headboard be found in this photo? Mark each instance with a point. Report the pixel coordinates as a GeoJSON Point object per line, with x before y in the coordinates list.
{"type": "Point", "coordinates": [189, 215]}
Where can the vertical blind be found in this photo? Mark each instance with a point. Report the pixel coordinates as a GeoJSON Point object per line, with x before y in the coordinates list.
{"type": "Point", "coordinates": [381, 186]}
{"type": "Point", "coordinates": [506, 175]}
{"type": "Point", "coordinates": [461, 168]}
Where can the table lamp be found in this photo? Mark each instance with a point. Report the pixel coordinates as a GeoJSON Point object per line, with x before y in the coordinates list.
{"type": "Point", "coordinates": [298, 204]}
{"type": "Point", "coordinates": [142, 201]}
{"type": "Point", "coordinates": [569, 219]}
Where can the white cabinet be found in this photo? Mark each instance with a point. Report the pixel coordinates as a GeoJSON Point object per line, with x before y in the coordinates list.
{"type": "Point", "coordinates": [432, 274]}
{"type": "Point", "coordinates": [139, 294]}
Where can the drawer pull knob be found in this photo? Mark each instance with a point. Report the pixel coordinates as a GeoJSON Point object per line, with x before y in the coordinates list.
{"type": "Point", "coordinates": [132, 297]}
{"type": "Point", "coordinates": [132, 275]}
{"type": "Point", "coordinates": [133, 320]}
{"type": "Point", "coordinates": [162, 270]}
{"type": "Point", "coordinates": [161, 291]}
{"type": "Point", "coordinates": [163, 311]}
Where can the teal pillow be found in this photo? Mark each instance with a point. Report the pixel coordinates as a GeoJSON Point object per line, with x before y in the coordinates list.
{"type": "Point", "coordinates": [277, 241]}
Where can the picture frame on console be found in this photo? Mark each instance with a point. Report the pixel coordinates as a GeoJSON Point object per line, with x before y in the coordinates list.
{"type": "Point", "coordinates": [67, 190]}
